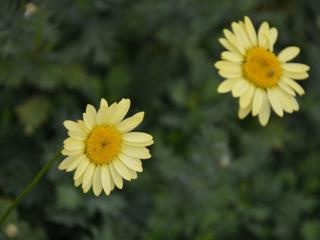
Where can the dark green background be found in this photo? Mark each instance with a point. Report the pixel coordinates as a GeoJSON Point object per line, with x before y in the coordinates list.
{"type": "Point", "coordinates": [212, 176]}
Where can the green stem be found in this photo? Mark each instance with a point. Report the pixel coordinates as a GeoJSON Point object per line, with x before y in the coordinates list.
{"type": "Point", "coordinates": [30, 186]}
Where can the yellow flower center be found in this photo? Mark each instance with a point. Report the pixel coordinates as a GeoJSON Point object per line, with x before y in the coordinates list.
{"type": "Point", "coordinates": [103, 144]}
{"type": "Point", "coordinates": [262, 67]}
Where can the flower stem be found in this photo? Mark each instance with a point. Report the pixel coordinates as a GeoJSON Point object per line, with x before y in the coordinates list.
{"type": "Point", "coordinates": [30, 186]}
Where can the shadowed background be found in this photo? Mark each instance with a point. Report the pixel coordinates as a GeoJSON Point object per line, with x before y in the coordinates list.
{"type": "Point", "coordinates": [211, 177]}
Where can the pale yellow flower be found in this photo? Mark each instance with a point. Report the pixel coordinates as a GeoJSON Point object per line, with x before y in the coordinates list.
{"type": "Point", "coordinates": [102, 149]}
{"type": "Point", "coordinates": [256, 75]}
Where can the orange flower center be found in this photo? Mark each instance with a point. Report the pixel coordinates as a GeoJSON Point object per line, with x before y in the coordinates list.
{"type": "Point", "coordinates": [103, 144]}
{"type": "Point", "coordinates": [262, 67]}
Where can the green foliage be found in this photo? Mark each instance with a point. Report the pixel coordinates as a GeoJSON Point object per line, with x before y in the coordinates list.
{"type": "Point", "coordinates": [211, 177]}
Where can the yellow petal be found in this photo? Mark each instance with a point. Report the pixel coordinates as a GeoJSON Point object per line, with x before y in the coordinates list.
{"type": "Point", "coordinates": [227, 85]}
{"type": "Point", "coordinates": [78, 181]}
{"type": "Point", "coordinates": [233, 40]}
{"type": "Point", "coordinates": [89, 117]}
{"type": "Point", "coordinates": [82, 126]}
{"type": "Point", "coordinates": [67, 162]}
{"type": "Point", "coordinates": [232, 56]}
{"type": "Point", "coordinates": [285, 100]}
{"type": "Point", "coordinates": [240, 88]}
{"type": "Point", "coordinates": [227, 74]}
{"type": "Point", "coordinates": [71, 125]}
{"type": "Point", "coordinates": [108, 118]}
{"type": "Point", "coordinates": [288, 54]}
{"type": "Point", "coordinates": [250, 31]}
{"type": "Point", "coordinates": [273, 35]}
{"type": "Point", "coordinates": [243, 112]}
{"type": "Point", "coordinates": [121, 110]}
{"type": "Point", "coordinates": [263, 35]}
{"type": "Point", "coordinates": [295, 67]}
{"type": "Point", "coordinates": [296, 75]}
{"type": "Point", "coordinates": [130, 123]}
{"type": "Point", "coordinates": [246, 98]}
{"type": "Point", "coordinates": [106, 179]}
{"type": "Point", "coordinates": [78, 134]}
{"type": "Point", "coordinates": [257, 101]}
{"type": "Point", "coordinates": [67, 152]}
{"type": "Point", "coordinates": [240, 34]}
{"type": "Point", "coordinates": [225, 43]}
{"type": "Point", "coordinates": [103, 103]}
{"type": "Point", "coordinates": [132, 163]}
{"type": "Point", "coordinates": [139, 144]}
{"type": "Point", "coordinates": [275, 102]}
{"type": "Point", "coordinates": [121, 169]}
{"type": "Point", "coordinates": [264, 113]}
{"type": "Point", "coordinates": [137, 137]}
{"type": "Point", "coordinates": [96, 184]}
{"type": "Point", "coordinates": [88, 177]}
{"type": "Point", "coordinates": [117, 179]}
{"type": "Point", "coordinates": [136, 152]}
{"type": "Point", "coordinates": [73, 144]}
{"type": "Point", "coordinates": [102, 115]}
{"type": "Point", "coordinates": [286, 88]}
{"type": "Point", "coordinates": [74, 164]}
{"type": "Point", "coordinates": [133, 174]}
{"type": "Point", "coordinates": [81, 168]}
{"type": "Point", "coordinates": [228, 66]}
{"type": "Point", "coordinates": [294, 85]}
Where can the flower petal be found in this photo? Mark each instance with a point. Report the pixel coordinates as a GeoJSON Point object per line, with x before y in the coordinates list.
{"type": "Point", "coordinates": [71, 125]}
{"type": "Point", "coordinates": [68, 161]}
{"type": "Point", "coordinates": [117, 179]}
{"type": "Point", "coordinates": [295, 67]}
{"type": "Point", "coordinates": [102, 115]}
{"type": "Point", "coordinates": [288, 53]}
{"type": "Point", "coordinates": [136, 152]}
{"type": "Point", "coordinates": [227, 74]}
{"type": "Point", "coordinates": [232, 56]}
{"type": "Point", "coordinates": [250, 31]}
{"type": "Point", "coordinates": [286, 88]}
{"type": "Point", "coordinates": [243, 112]}
{"type": "Point", "coordinates": [227, 85]}
{"type": "Point", "coordinates": [106, 179]}
{"type": "Point", "coordinates": [89, 117]}
{"type": "Point", "coordinates": [227, 45]}
{"type": "Point", "coordinates": [88, 177]}
{"type": "Point", "coordinates": [121, 110]}
{"type": "Point", "coordinates": [275, 102]}
{"type": "Point", "coordinates": [121, 169]}
{"type": "Point", "coordinates": [240, 88]}
{"type": "Point", "coordinates": [77, 160]}
{"type": "Point", "coordinates": [264, 113]}
{"type": "Point", "coordinates": [285, 100]}
{"type": "Point", "coordinates": [294, 85]}
{"type": "Point", "coordinates": [103, 103]}
{"type": "Point", "coordinates": [132, 163]}
{"type": "Point", "coordinates": [296, 75]}
{"type": "Point", "coordinates": [130, 123]}
{"type": "Point", "coordinates": [81, 168]}
{"type": "Point", "coordinates": [241, 35]}
{"type": "Point", "coordinates": [108, 117]}
{"type": "Point", "coordinates": [257, 101]}
{"type": "Point", "coordinates": [139, 144]}
{"type": "Point", "coordinates": [246, 98]}
{"type": "Point", "coordinates": [96, 184]}
{"type": "Point", "coordinates": [263, 35]}
{"type": "Point", "coordinates": [234, 41]}
{"type": "Point", "coordinates": [273, 35]}
{"type": "Point", "coordinates": [137, 137]}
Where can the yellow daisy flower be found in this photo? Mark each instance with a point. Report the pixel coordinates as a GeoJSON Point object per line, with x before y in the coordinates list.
{"type": "Point", "coordinates": [102, 149]}
{"type": "Point", "coordinates": [256, 75]}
